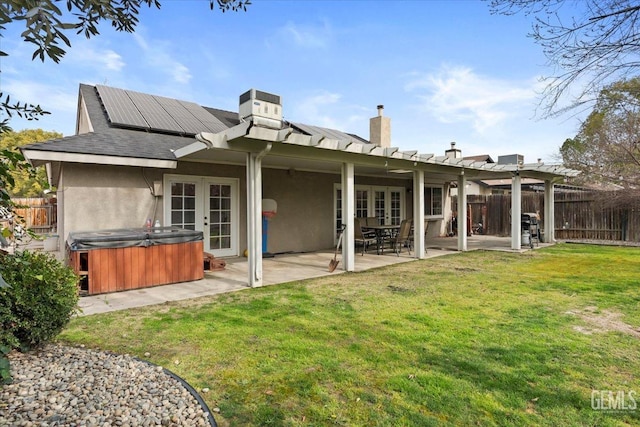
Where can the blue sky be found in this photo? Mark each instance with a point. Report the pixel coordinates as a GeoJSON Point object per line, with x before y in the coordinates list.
{"type": "Point", "coordinates": [444, 70]}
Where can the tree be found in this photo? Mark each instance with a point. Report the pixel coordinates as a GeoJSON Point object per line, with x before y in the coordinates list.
{"type": "Point", "coordinates": [591, 43]}
{"type": "Point", "coordinates": [45, 27]}
{"type": "Point", "coordinates": [46, 24]}
{"type": "Point", "coordinates": [607, 146]}
{"type": "Point", "coordinates": [27, 183]}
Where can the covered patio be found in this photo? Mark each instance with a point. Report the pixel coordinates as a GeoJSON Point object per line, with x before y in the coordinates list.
{"type": "Point", "coordinates": [282, 268]}
{"type": "Point", "coordinates": [264, 147]}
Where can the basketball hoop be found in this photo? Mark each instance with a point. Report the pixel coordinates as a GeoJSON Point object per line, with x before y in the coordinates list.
{"type": "Point", "coordinates": [269, 208]}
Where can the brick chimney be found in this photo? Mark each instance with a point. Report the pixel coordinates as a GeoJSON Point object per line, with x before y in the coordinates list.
{"type": "Point", "coordinates": [380, 129]}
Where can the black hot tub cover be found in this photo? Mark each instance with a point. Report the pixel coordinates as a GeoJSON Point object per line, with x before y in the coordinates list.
{"type": "Point", "coordinates": [128, 237]}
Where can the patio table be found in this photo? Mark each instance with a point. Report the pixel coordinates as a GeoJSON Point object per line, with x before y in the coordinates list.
{"type": "Point", "coordinates": [380, 234]}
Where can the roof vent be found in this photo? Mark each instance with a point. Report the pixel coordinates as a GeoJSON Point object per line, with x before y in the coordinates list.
{"type": "Point", "coordinates": [264, 109]}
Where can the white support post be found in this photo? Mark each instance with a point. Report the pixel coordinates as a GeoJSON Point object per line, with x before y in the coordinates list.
{"type": "Point", "coordinates": [516, 212]}
{"type": "Point", "coordinates": [254, 218]}
{"type": "Point", "coordinates": [462, 212]}
{"type": "Point", "coordinates": [418, 215]}
{"type": "Point", "coordinates": [348, 213]}
{"type": "Point", "coordinates": [549, 209]}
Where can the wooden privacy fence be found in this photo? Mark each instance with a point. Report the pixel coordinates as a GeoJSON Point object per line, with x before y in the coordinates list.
{"type": "Point", "coordinates": [38, 214]}
{"type": "Point", "coordinates": [578, 215]}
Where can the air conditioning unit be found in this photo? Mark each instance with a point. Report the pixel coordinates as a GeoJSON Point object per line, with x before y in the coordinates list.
{"type": "Point", "coordinates": [263, 108]}
{"type": "Point", "coordinates": [511, 159]}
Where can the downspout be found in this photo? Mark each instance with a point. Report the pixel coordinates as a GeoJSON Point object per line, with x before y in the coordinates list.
{"type": "Point", "coordinates": [265, 151]}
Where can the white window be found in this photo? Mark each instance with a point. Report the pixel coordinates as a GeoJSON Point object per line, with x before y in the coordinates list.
{"type": "Point", "coordinates": [433, 202]}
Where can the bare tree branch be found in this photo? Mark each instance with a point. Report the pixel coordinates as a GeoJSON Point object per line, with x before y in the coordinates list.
{"type": "Point", "coordinates": [590, 43]}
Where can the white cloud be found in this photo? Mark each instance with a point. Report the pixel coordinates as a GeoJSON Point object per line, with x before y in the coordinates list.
{"type": "Point", "coordinates": [314, 109]}
{"type": "Point", "coordinates": [160, 55]}
{"type": "Point", "coordinates": [304, 36]}
{"type": "Point", "coordinates": [326, 109]}
{"type": "Point", "coordinates": [61, 101]}
{"type": "Point", "coordinates": [47, 96]}
{"type": "Point", "coordinates": [458, 94]}
{"type": "Point", "coordinates": [88, 53]}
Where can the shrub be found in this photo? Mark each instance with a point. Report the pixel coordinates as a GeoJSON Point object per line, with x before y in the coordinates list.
{"type": "Point", "coordinates": [41, 298]}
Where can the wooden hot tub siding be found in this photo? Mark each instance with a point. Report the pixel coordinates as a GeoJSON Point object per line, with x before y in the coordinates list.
{"type": "Point", "coordinates": [120, 269]}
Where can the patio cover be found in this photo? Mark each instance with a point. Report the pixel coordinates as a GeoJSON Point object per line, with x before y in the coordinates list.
{"type": "Point", "coordinates": [258, 143]}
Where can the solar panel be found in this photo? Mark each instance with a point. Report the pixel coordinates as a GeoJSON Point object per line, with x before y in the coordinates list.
{"type": "Point", "coordinates": [211, 122]}
{"type": "Point", "coordinates": [120, 108]}
{"type": "Point", "coordinates": [327, 133]}
{"type": "Point", "coordinates": [140, 110]}
{"type": "Point", "coordinates": [156, 116]}
{"type": "Point", "coordinates": [191, 117]}
{"type": "Point", "coordinates": [180, 115]}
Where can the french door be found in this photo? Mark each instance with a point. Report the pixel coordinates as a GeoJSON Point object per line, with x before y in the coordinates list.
{"type": "Point", "coordinates": [205, 204]}
{"type": "Point", "coordinates": [384, 203]}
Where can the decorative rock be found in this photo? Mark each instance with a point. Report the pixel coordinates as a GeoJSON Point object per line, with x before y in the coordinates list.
{"type": "Point", "coordinates": [75, 386]}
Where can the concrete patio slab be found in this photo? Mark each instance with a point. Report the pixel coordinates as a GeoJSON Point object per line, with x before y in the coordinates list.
{"type": "Point", "coordinates": [282, 268]}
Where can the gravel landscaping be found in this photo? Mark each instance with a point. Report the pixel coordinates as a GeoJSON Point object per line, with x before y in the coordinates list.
{"type": "Point", "coordinates": [66, 386]}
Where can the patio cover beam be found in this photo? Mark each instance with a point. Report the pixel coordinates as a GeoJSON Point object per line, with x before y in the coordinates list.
{"type": "Point", "coordinates": [289, 144]}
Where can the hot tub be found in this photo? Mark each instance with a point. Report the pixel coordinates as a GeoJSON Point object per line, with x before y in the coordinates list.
{"type": "Point", "coordinates": [132, 258]}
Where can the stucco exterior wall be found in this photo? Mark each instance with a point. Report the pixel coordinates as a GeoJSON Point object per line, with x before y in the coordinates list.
{"type": "Point", "coordinates": [103, 197]}
{"type": "Point", "coordinates": [304, 221]}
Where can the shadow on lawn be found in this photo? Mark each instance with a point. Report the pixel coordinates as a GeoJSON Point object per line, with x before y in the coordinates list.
{"type": "Point", "coordinates": [518, 384]}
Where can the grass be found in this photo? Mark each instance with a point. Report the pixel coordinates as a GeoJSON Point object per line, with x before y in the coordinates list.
{"type": "Point", "coordinates": [476, 338]}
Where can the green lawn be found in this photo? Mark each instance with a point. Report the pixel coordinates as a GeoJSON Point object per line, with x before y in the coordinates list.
{"type": "Point", "coordinates": [477, 338]}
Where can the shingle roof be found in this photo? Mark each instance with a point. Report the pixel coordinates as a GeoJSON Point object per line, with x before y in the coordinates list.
{"type": "Point", "coordinates": [110, 139]}
{"type": "Point", "coordinates": [480, 158]}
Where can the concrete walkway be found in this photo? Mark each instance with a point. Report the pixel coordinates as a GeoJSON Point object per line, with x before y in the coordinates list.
{"type": "Point", "coordinates": [279, 269]}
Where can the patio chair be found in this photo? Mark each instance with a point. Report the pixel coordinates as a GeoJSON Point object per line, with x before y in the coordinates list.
{"type": "Point", "coordinates": [360, 238]}
{"type": "Point", "coordinates": [371, 221]}
{"type": "Point", "coordinates": [426, 230]}
{"type": "Point", "coordinates": [365, 223]}
{"type": "Point", "coordinates": [403, 237]}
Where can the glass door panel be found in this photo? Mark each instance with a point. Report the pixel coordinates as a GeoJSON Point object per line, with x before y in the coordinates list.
{"type": "Point", "coordinates": [220, 217]}
{"type": "Point", "coordinates": [183, 205]}
{"type": "Point", "coordinates": [338, 205]}
{"type": "Point", "coordinates": [379, 206]}
{"type": "Point", "coordinates": [205, 204]}
{"type": "Point", "coordinates": [362, 203]}
{"type": "Point", "coordinates": [395, 206]}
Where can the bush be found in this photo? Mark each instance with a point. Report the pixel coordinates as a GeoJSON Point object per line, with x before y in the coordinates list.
{"type": "Point", "coordinates": [40, 300]}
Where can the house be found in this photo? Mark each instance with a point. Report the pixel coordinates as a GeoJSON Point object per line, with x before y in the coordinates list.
{"type": "Point", "coordinates": [138, 157]}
